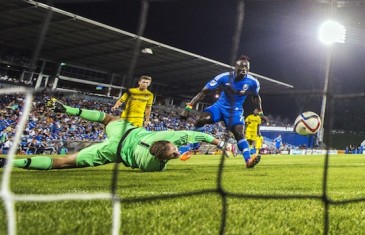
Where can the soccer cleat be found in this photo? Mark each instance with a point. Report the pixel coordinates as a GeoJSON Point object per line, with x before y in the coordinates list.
{"type": "Point", "coordinates": [2, 162]}
{"type": "Point", "coordinates": [55, 105]}
{"type": "Point", "coordinates": [254, 160]}
{"type": "Point", "coordinates": [186, 156]}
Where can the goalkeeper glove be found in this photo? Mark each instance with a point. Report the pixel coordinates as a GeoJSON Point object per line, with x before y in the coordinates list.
{"type": "Point", "coordinates": [221, 144]}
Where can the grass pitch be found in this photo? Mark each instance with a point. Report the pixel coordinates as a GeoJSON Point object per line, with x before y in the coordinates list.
{"type": "Point", "coordinates": [282, 195]}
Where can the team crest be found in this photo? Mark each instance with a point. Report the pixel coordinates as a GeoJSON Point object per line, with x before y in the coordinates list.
{"type": "Point", "coordinates": [244, 89]}
{"type": "Point", "coordinates": [213, 83]}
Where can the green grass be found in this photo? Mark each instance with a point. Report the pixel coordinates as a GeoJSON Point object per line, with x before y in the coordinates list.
{"type": "Point", "coordinates": [282, 195]}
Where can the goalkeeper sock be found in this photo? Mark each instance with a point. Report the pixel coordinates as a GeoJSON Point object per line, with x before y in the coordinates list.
{"type": "Point", "coordinates": [90, 115]}
{"type": "Point", "coordinates": [34, 163]}
{"type": "Point", "coordinates": [244, 147]}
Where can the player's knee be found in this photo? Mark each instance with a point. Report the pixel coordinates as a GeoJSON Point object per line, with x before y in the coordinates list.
{"type": "Point", "coordinates": [109, 118]}
{"type": "Point", "coordinates": [64, 162]}
{"type": "Point", "coordinates": [238, 132]}
{"type": "Point", "coordinates": [204, 118]}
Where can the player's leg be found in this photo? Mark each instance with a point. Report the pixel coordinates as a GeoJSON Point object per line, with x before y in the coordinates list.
{"type": "Point", "coordinates": [253, 146]}
{"type": "Point", "coordinates": [249, 135]}
{"type": "Point", "coordinates": [43, 162]}
{"type": "Point", "coordinates": [242, 143]}
{"type": "Point", "coordinates": [209, 115]}
{"type": "Point", "coordinates": [244, 147]}
{"type": "Point", "coordinates": [204, 118]}
{"type": "Point", "coordinates": [236, 123]}
{"type": "Point", "coordinates": [94, 155]}
{"type": "Point", "coordinates": [90, 115]}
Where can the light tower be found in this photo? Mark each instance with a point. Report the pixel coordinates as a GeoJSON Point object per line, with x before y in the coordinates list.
{"type": "Point", "coordinates": [330, 32]}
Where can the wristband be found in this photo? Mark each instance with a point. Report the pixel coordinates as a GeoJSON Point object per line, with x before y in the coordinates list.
{"type": "Point", "coordinates": [221, 144]}
{"type": "Point", "coordinates": [188, 107]}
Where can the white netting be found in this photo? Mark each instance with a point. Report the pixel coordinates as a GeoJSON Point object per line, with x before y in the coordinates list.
{"type": "Point", "coordinates": [10, 198]}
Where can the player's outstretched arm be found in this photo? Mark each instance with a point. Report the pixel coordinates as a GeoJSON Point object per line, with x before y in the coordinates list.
{"type": "Point", "coordinates": [189, 106]}
{"type": "Point", "coordinates": [116, 105]}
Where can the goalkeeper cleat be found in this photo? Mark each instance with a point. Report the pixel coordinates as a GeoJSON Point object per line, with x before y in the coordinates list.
{"type": "Point", "coordinates": [55, 105]}
{"type": "Point", "coordinates": [254, 160]}
{"type": "Point", "coordinates": [2, 162]}
{"type": "Point", "coordinates": [186, 156]}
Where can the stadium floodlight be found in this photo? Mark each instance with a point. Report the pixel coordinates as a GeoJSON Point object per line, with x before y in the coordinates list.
{"type": "Point", "coordinates": [147, 51]}
{"type": "Point", "coordinates": [330, 32]}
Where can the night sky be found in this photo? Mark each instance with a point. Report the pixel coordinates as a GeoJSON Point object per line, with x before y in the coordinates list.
{"type": "Point", "coordinates": [280, 37]}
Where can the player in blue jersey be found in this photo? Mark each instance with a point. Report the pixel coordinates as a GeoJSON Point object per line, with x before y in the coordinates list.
{"type": "Point", "coordinates": [236, 86]}
{"type": "Point", "coordinates": [278, 143]}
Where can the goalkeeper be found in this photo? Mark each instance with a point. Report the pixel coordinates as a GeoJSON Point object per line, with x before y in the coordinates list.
{"type": "Point", "coordinates": [134, 147]}
{"type": "Point", "coordinates": [236, 86]}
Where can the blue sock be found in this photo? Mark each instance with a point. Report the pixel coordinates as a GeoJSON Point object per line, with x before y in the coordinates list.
{"type": "Point", "coordinates": [253, 151]}
{"type": "Point", "coordinates": [244, 147]}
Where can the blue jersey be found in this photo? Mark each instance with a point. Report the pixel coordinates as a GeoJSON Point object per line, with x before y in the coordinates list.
{"type": "Point", "coordinates": [238, 89]}
{"type": "Point", "coordinates": [278, 141]}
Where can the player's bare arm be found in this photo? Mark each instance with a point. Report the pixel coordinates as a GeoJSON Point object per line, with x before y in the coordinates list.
{"type": "Point", "coordinates": [147, 115]}
{"type": "Point", "coordinates": [196, 99]}
{"type": "Point", "coordinates": [116, 105]}
{"type": "Point", "coordinates": [256, 100]}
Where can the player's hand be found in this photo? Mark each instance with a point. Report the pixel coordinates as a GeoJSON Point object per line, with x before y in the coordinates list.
{"type": "Point", "coordinates": [146, 123]}
{"type": "Point", "coordinates": [188, 107]}
{"type": "Point", "coordinates": [263, 117]}
{"type": "Point", "coordinates": [266, 120]}
{"type": "Point", "coordinates": [114, 108]}
{"type": "Point", "coordinates": [185, 113]}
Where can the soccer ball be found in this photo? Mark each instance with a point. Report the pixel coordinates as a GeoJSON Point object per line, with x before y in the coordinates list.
{"type": "Point", "coordinates": [307, 123]}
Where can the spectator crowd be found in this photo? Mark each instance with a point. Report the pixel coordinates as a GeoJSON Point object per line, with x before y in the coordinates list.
{"type": "Point", "coordinates": [49, 132]}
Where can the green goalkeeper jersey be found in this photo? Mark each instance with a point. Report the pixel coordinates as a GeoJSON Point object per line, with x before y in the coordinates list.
{"type": "Point", "coordinates": [135, 151]}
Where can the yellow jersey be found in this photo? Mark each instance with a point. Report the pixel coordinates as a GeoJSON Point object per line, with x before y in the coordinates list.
{"type": "Point", "coordinates": [136, 102]}
{"type": "Point", "coordinates": [252, 123]}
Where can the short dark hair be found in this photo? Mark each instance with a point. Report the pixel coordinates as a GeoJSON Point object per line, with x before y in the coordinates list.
{"type": "Point", "coordinates": [145, 77]}
{"type": "Point", "coordinates": [244, 57]}
{"type": "Point", "coordinates": [159, 149]}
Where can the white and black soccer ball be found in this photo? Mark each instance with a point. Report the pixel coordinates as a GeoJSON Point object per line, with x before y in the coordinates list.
{"type": "Point", "coordinates": [307, 123]}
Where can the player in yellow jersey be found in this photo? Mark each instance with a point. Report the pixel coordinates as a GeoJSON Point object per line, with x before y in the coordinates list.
{"type": "Point", "coordinates": [137, 102]}
{"type": "Point", "coordinates": [252, 131]}
{"type": "Point", "coordinates": [258, 144]}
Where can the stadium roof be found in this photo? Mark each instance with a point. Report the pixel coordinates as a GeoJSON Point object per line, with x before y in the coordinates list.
{"type": "Point", "coordinates": [79, 41]}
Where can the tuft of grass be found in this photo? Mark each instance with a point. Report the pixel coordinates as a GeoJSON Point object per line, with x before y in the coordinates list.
{"type": "Point", "coordinates": [281, 195]}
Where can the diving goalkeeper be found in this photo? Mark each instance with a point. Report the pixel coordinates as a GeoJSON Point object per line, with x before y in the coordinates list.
{"type": "Point", "coordinates": [133, 146]}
